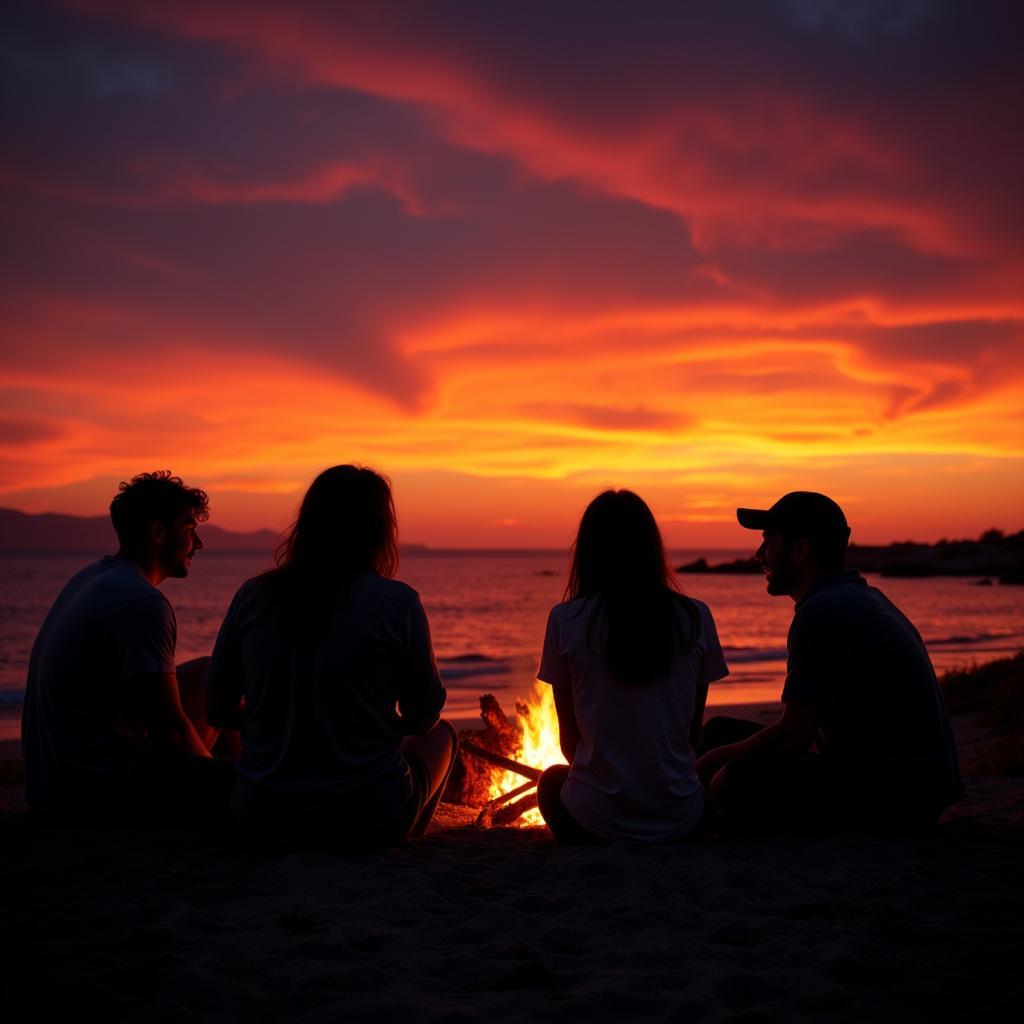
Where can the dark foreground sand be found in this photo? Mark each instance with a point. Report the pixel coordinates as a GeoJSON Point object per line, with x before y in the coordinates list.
{"type": "Point", "coordinates": [467, 925]}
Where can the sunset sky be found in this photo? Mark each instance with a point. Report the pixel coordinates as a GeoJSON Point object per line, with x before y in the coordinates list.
{"type": "Point", "coordinates": [513, 253]}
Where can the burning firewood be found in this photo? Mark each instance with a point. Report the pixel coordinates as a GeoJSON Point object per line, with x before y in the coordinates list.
{"type": "Point", "coordinates": [486, 818]}
{"type": "Point", "coordinates": [501, 762]}
{"type": "Point", "coordinates": [495, 813]}
{"type": "Point", "coordinates": [493, 759]}
{"type": "Point", "coordinates": [514, 812]}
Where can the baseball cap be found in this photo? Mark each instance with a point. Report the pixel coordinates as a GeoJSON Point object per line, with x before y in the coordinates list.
{"type": "Point", "coordinates": [802, 512]}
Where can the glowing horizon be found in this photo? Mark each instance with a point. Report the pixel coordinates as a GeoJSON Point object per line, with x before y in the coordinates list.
{"type": "Point", "coordinates": [709, 259]}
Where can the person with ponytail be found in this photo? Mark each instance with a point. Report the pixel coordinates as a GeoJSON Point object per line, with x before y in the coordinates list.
{"type": "Point", "coordinates": [326, 665]}
{"type": "Point", "coordinates": [630, 659]}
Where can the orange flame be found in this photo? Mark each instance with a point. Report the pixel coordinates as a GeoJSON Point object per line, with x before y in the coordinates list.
{"type": "Point", "coordinates": [537, 726]}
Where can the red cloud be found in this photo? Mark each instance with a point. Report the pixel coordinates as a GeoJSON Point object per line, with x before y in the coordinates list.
{"type": "Point", "coordinates": [753, 161]}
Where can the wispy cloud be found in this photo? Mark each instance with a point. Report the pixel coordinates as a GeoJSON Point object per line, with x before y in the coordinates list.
{"type": "Point", "coordinates": [538, 246]}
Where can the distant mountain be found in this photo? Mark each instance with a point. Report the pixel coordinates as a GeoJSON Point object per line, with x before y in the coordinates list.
{"type": "Point", "coordinates": [51, 533]}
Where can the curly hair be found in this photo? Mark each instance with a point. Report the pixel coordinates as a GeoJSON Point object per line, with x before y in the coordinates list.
{"type": "Point", "coordinates": [153, 498]}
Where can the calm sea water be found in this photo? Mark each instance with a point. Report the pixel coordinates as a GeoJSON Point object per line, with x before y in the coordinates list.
{"type": "Point", "coordinates": [488, 612]}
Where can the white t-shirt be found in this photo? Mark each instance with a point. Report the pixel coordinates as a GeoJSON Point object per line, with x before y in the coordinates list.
{"type": "Point", "coordinates": [633, 775]}
{"type": "Point", "coordinates": [80, 731]}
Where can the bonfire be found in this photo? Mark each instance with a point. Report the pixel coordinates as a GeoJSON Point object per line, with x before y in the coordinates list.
{"type": "Point", "coordinates": [501, 763]}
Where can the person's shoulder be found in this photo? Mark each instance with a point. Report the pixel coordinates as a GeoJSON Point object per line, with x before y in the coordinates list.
{"type": "Point", "coordinates": [119, 582]}
{"type": "Point", "coordinates": [839, 593]}
{"type": "Point", "coordinates": [701, 607]}
{"type": "Point", "coordinates": [832, 606]}
{"type": "Point", "coordinates": [119, 572]}
{"type": "Point", "coordinates": [254, 590]}
{"type": "Point", "coordinates": [94, 569]}
{"type": "Point", "coordinates": [254, 586]}
{"type": "Point", "coordinates": [389, 591]}
{"type": "Point", "coordinates": [695, 615]}
{"type": "Point", "coordinates": [569, 609]}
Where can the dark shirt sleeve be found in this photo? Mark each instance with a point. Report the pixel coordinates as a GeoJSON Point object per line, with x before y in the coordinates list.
{"type": "Point", "coordinates": [145, 636]}
{"type": "Point", "coordinates": [553, 666]}
{"type": "Point", "coordinates": [225, 678]}
{"type": "Point", "coordinates": [421, 693]}
{"type": "Point", "coordinates": [817, 661]}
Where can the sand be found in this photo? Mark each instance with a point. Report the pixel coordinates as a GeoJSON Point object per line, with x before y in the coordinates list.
{"type": "Point", "coordinates": [468, 925]}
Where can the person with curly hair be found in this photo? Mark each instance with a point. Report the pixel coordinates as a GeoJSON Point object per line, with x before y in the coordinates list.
{"type": "Point", "coordinates": [112, 729]}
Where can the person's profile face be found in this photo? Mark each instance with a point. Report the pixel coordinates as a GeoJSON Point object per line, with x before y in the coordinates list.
{"type": "Point", "coordinates": [180, 545]}
{"type": "Point", "coordinates": [776, 563]}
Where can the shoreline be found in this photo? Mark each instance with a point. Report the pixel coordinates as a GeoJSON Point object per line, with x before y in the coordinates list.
{"type": "Point", "coordinates": [10, 723]}
{"type": "Point", "coordinates": [971, 735]}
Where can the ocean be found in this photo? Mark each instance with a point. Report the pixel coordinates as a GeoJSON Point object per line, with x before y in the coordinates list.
{"type": "Point", "coordinates": [488, 611]}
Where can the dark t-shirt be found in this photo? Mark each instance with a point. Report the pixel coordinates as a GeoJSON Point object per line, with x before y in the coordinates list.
{"type": "Point", "coordinates": [857, 659]}
{"type": "Point", "coordinates": [322, 719]}
{"type": "Point", "coordinates": [81, 724]}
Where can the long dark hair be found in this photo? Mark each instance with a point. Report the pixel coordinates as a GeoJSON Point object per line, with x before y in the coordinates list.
{"type": "Point", "coordinates": [619, 561]}
{"type": "Point", "coordinates": [346, 525]}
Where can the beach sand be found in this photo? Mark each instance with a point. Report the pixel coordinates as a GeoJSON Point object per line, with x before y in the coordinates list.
{"type": "Point", "coordinates": [497, 925]}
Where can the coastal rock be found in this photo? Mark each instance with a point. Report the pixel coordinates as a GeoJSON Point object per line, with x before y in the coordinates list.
{"type": "Point", "coordinates": [739, 566]}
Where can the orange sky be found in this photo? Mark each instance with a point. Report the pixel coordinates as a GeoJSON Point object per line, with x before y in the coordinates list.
{"type": "Point", "coordinates": [513, 255]}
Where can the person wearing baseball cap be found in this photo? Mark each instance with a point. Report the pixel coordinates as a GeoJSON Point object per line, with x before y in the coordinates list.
{"type": "Point", "coordinates": [863, 740]}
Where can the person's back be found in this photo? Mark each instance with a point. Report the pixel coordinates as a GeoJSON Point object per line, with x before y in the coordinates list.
{"type": "Point", "coordinates": [632, 775]}
{"type": "Point", "coordinates": [81, 731]}
{"type": "Point", "coordinates": [858, 659]}
{"type": "Point", "coordinates": [321, 719]}
{"type": "Point", "coordinates": [877, 659]}
{"type": "Point", "coordinates": [629, 660]}
{"type": "Point", "coordinates": [326, 665]}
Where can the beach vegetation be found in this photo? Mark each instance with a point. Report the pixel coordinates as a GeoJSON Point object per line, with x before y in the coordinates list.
{"type": "Point", "coordinates": [995, 692]}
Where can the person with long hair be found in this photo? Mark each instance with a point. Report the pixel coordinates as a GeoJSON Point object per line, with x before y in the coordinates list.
{"type": "Point", "coordinates": [630, 659]}
{"type": "Point", "coordinates": [326, 665]}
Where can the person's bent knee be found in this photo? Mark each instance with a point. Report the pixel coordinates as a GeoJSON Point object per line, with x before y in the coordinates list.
{"type": "Point", "coordinates": [549, 789]}
{"type": "Point", "coordinates": [193, 665]}
{"type": "Point", "coordinates": [718, 789]}
{"type": "Point", "coordinates": [735, 800]}
{"type": "Point", "coordinates": [722, 730]}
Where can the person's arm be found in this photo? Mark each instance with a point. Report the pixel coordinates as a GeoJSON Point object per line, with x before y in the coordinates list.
{"type": "Point", "coordinates": [568, 727]}
{"type": "Point", "coordinates": [225, 678]}
{"type": "Point", "coordinates": [145, 634]}
{"type": "Point", "coordinates": [791, 734]}
{"type": "Point", "coordinates": [167, 725]}
{"type": "Point", "coordinates": [712, 668]}
{"type": "Point", "coordinates": [224, 712]}
{"type": "Point", "coordinates": [418, 725]}
{"type": "Point", "coordinates": [697, 725]}
{"type": "Point", "coordinates": [554, 670]}
{"type": "Point", "coordinates": [421, 694]}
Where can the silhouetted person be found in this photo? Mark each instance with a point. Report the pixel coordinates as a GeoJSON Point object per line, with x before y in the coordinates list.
{"type": "Point", "coordinates": [104, 731]}
{"type": "Point", "coordinates": [630, 660]}
{"type": "Point", "coordinates": [864, 740]}
{"type": "Point", "coordinates": [341, 739]}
